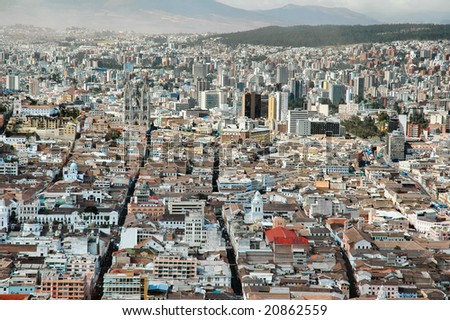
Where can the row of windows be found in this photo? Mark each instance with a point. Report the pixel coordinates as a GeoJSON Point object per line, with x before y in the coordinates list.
{"type": "Point", "coordinates": [122, 290]}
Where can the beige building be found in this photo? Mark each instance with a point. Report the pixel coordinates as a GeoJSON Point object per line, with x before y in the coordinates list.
{"type": "Point", "coordinates": [174, 267]}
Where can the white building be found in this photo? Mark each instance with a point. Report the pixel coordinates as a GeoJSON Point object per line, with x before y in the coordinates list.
{"type": "Point", "coordinates": [282, 105]}
{"type": "Point", "coordinates": [257, 209]}
{"type": "Point", "coordinates": [214, 273]}
{"type": "Point", "coordinates": [194, 233]}
{"type": "Point", "coordinates": [293, 117]}
{"type": "Point", "coordinates": [12, 82]}
{"type": "Point", "coordinates": [38, 111]}
{"type": "Point", "coordinates": [183, 207]}
{"type": "Point", "coordinates": [131, 237]}
{"type": "Point", "coordinates": [13, 140]}
{"type": "Point", "coordinates": [71, 173]}
{"type": "Point", "coordinates": [212, 99]}
{"type": "Point", "coordinates": [4, 215]}
{"type": "Point", "coordinates": [27, 210]}
{"type": "Point", "coordinates": [9, 168]}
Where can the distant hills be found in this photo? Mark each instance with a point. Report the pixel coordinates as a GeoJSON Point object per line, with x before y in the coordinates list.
{"type": "Point", "coordinates": [167, 16]}
{"type": "Point", "coordinates": [292, 15]}
{"type": "Point", "coordinates": [332, 35]}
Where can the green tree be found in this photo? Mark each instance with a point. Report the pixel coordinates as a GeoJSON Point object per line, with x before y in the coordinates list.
{"type": "Point", "coordinates": [69, 112]}
{"type": "Point", "coordinates": [420, 119]}
{"type": "Point", "coordinates": [383, 116]}
{"type": "Point", "coordinates": [113, 134]}
{"type": "Point", "coordinates": [397, 107]}
{"type": "Point", "coordinates": [296, 104]}
{"type": "Point", "coordinates": [361, 128]}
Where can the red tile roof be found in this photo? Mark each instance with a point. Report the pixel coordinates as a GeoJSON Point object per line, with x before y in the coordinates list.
{"type": "Point", "coordinates": [296, 240]}
{"type": "Point", "coordinates": [281, 235]}
{"type": "Point", "coordinates": [279, 232]}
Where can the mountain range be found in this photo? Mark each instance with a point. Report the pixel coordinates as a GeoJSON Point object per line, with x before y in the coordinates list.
{"type": "Point", "coordinates": [168, 16]}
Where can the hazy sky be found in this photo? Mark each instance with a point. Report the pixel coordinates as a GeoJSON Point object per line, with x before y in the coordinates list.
{"type": "Point", "coordinates": [385, 7]}
{"type": "Point", "coordinates": [62, 13]}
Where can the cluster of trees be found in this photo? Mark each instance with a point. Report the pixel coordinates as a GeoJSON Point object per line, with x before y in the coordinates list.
{"type": "Point", "coordinates": [361, 128]}
{"type": "Point", "coordinates": [296, 104]}
{"type": "Point", "coordinates": [3, 107]}
{"type": "Point", "coordinates": [69, 112]}
{"type": "Point", "coordinates": [109, 63]}
{"type": "Point", "coordinates": [330, 35]}
{"type": "Point", "coordinates": [420, 119]}
{"type": "Point", "coordinates": [113, 134]}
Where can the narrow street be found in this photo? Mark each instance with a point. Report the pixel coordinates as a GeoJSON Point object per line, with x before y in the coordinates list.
{"type": "Point", "coordinates": [351, 276]}
{"type": "Point", "coordinates": [106, 261]}
{"type": "Point", "coordinates": [236, 284]}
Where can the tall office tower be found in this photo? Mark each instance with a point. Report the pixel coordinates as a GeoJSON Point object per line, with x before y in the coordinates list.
{"type": "Point", "coordinates": [199, 70]}
{"type": "Point", "coordinates": [202, 85]}
{"type": "Point", "coordinates": [251, 105]}
{"type": "Point", "coordinates": [359, 87]}
{"type": "Point", "coordinates": [337, 93]}
{"type": "Point", "coordinates": [295, 88]}
{"type": "Point", "coordinates": [224, 80]}
{"type": "Point", "coordinates": [137, 106]}
{"type": "Point", "coordinates": [388, 76]}
{"type": "Point", "coordinates": [292, 69]}
{"type": "Point", "coordinates": [34, 87]}
{"type": "Point", "coordinates": [282, 74]}
{"type": "Point", "coordinates": [264, 106]}
{"type": "Point", "coordinates": [349, 95]}
{"type": "Point", "coordinates": [282, 106]}
{"type": "Point", "coordinates": [12, 82]}
{"type": "Point", "coordinates": [396, 146]}
{"type": "Point", "coordinates": [369, 81]}
{"type": "Point", "coordinates": [403, 124]}
{"type": "Point", "coordinates": [272, 108]}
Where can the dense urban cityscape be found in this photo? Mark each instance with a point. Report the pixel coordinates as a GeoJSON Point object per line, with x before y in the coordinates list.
{"type": "Point", "coordinates": [166, 167]}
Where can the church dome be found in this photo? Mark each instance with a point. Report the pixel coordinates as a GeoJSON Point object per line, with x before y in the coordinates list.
{"type": "Point", "coordinates": [73, 167]}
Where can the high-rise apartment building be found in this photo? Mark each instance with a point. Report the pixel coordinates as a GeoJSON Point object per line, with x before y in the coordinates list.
{"type": "Point", "coordinates": [359, 87]}
{"type": "Point", "coordinates": [282, 74]}
{"type": "Point", "coordinates": [282, 106]}
{"type": "Point", "coordinates": [199, 71]}
{"type": "Point", "coordinates": [34, 87]}
{"type": "Point", "coordinates": [12, 82]}
{"type": "Point", "coordinates": [295, 88]}
{"type": "Point", "coordinates": [272, 108]}
{"type": "Point", "coordinates": [337, 93]}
